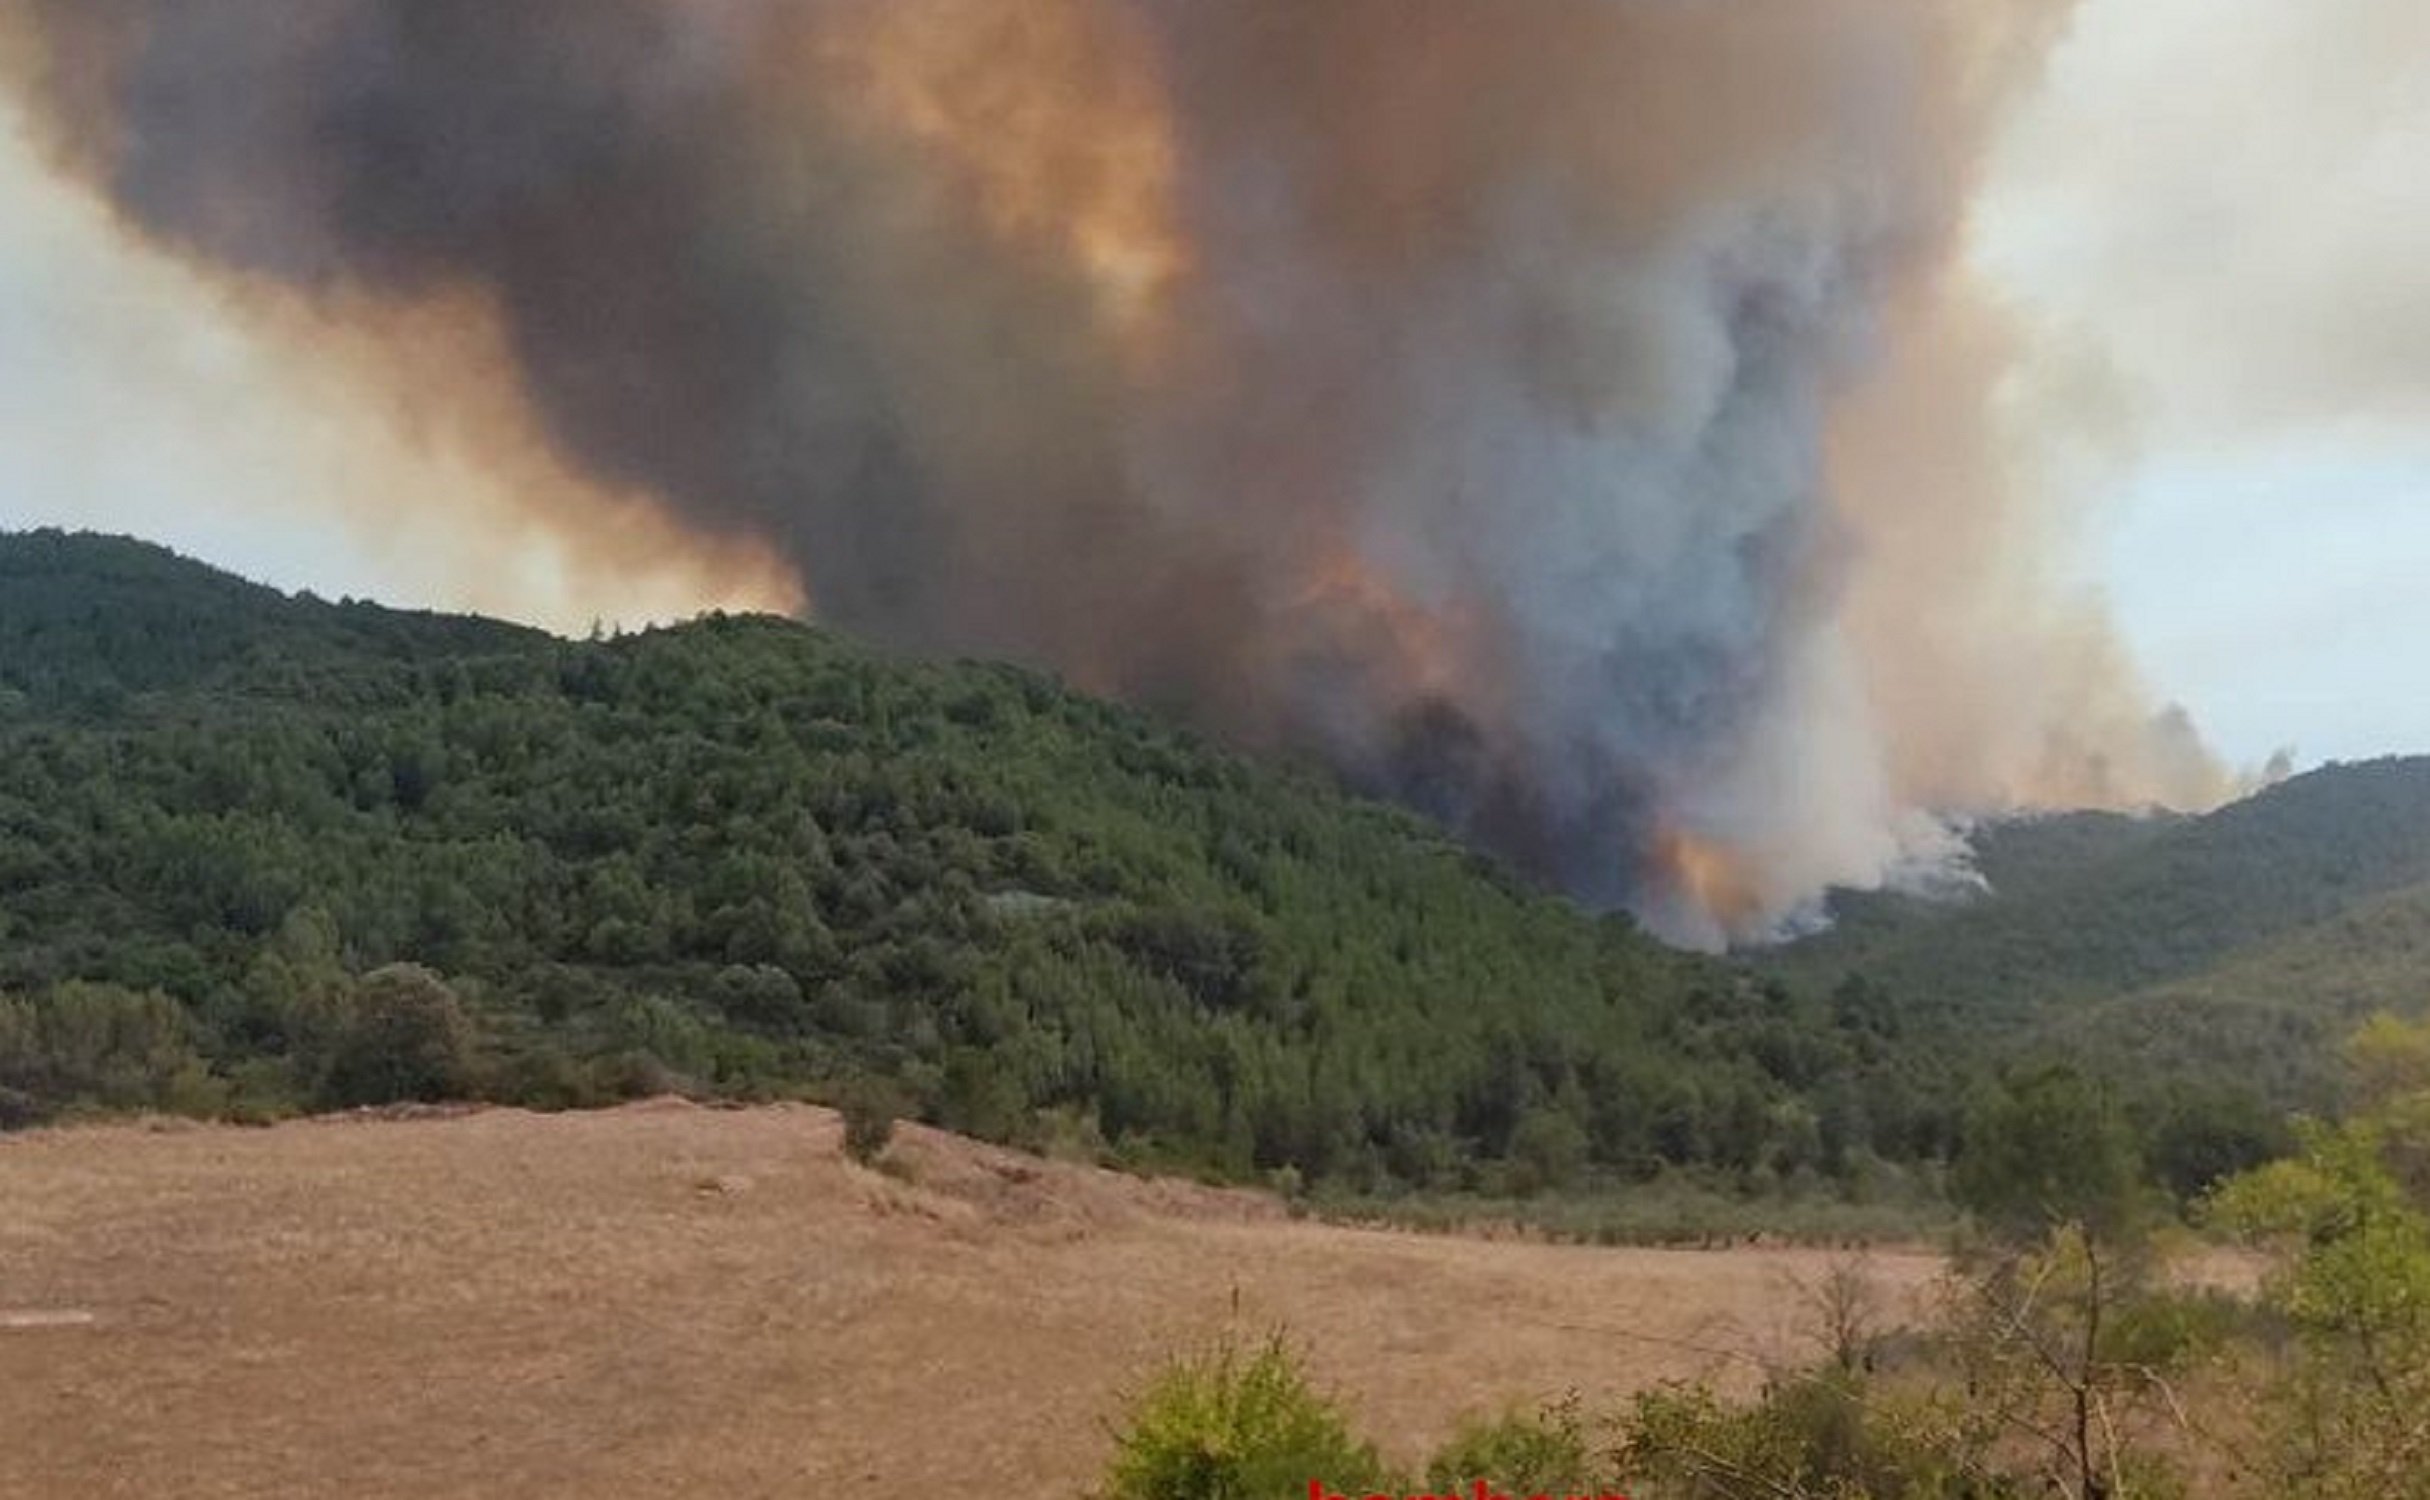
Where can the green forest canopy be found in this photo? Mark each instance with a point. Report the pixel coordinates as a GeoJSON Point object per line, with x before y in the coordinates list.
{"type": "Point", "coordinates": [260, 853]}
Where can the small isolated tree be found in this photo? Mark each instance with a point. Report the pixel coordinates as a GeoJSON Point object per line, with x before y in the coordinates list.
{"type": "Point", "coordinates": [869, 1108]}
{"type": "Point", "coordinates": [405, 1037]}
{"type": "Point", "coordinates": [1229, 1426]}
{"type": "Point", "coordinates": [1845, 1313]}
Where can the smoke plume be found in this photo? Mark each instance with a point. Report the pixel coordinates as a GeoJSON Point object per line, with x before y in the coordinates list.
{"type": "Point", "coordinates": [1564, 416]}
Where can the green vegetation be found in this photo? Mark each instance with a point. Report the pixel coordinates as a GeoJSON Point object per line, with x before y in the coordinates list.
{"type": "Point", "coordinates": [2095, 905]}
{"type": "Point", "coordinates": [1816, 1436]}
{"type": "Point", "coordinates": [868, 1107]}
{"type": "Point", "coordinates": [1522, 1452]}
{"type": "Point", "coordinates": [403, 1035]}
{"type": "Point", "coordinates": [2345, 1403]}
{"type": "Point", "coordinates": [2047, 1147]}
{"type": "Point", "coordinates": [2203, 969]}
{"type": "Point", "coordinates": [1235, 1426]}
{"type": "Point", "coordinates": [101, 1045]}
{"type": "Point", "coordinates": [745, 857]}
{"type": "Point", "coordinates": [261, 854]}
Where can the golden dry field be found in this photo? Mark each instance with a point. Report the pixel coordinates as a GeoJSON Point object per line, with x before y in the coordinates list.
{"type": "Point", "coordinates": [673, 1302]}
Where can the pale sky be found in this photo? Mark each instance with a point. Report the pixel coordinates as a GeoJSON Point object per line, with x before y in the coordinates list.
{"type": "Point", "coordinates": [2223, 207]}
{"type": "Point", "coordinates": [2216, 213]}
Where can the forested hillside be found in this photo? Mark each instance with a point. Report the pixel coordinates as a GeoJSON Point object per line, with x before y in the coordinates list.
{"type": "Point", "coordinates": [2231, 950]}
{"type": "Point", "coordinates": [261, 853]}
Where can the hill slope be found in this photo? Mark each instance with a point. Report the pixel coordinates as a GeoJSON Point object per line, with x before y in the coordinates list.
{"type": "Point", "coordinates": [745, 856]}
{"type": "Point", "coordinates": [2237, 945]}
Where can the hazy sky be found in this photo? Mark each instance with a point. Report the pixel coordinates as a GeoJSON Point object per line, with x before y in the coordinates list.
{"type": "Point", "coordinates": [2219, 210]}
{"type": "Point", "coordinates": [2216, 216]}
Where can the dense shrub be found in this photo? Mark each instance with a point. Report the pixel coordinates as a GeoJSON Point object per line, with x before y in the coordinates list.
{"type": "Point", "coordinates": [869, 1108]}
{"type": "Point", "coordinates": [99, 1046]}
{"type": "Point", "coordinates": [406, 1037]}
{"type": "Point", "coordinates": [1522, 1453]}
{"type": "Point", "coordinates": [1823, 1436]}
{"type": "Point", "coordinates": [1235, 1426]}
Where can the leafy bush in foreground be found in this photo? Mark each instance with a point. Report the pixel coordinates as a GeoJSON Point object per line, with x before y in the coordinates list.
{"type": "Point", "coordinates": [1521, 1453]}
{"type": "Point", "coordinates": [1229, 1426]}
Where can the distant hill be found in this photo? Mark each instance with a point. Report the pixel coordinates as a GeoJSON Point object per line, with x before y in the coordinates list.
{"type": "Point", "coordinates": [2238, 945]}
{"type": "Point", "coordinates": [747, 857]}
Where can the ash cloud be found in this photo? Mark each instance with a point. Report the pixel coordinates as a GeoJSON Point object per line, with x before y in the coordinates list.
{"type": "Point", "coordinates": [1566, 417]}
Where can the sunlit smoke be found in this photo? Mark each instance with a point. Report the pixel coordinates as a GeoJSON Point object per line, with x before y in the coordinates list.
{"type": "Point", "coordinates": [1567, 417]}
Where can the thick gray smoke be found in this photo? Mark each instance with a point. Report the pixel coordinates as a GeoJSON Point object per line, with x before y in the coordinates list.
{"type": "Point", "coordinates": [1446, 389]}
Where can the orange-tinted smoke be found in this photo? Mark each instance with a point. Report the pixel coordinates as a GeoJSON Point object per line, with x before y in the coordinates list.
{"type": "Point", "coordinates": [1563, 415]}
{"type": "Point", "coordinates": [450, 386]}
{"type": "Point", "coordinates": [1050, 115]}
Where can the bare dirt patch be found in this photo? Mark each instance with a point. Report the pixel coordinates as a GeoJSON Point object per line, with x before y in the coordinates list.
{"type": "Point", "coordinates": [670, 1302]}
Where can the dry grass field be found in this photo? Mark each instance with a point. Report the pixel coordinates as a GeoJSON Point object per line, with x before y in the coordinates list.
{"type": "Point", "coordinates": [673, 1302]}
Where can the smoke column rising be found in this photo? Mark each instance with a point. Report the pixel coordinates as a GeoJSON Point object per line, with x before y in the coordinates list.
{"type": "Point", "coordinates": [1564, 416]}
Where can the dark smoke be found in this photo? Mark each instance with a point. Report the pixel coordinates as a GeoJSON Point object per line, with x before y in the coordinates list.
{"type": "Point", "coordinates": [1443, 388]}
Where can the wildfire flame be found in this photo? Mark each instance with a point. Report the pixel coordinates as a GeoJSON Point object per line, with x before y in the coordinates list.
{"type": "Point", "coordinates": [1715, 878]}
